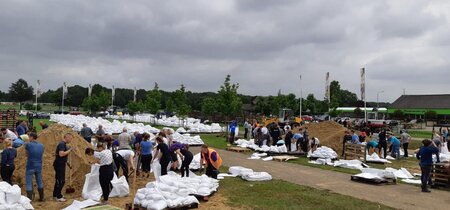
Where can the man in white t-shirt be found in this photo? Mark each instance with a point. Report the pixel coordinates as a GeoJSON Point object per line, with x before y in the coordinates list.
{"type": "Point", "coordinates": [8, 134]}
{"type": "Point", "coordinates": [124, 159]}
{"type": "Point", "coordinates": [124, 140]}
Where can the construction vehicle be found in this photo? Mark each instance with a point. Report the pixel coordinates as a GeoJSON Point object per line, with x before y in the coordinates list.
{"type": "Point", "coordinates": [284, 116]}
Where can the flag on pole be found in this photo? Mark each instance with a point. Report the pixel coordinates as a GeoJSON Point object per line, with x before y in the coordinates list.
{"type": "Point", "coordinates": [65, 90]}
{"type": "Point", "coordinates": [363, 84]}
{"type": "Point", "coordinates": [113, 92]}
{"type": "Point", "coordinates": [134, 94]}
{"type": "Point", "coordinates": [90, 90]}
{"type": "Point", "coordinates": [38, 89]}
{"type": "Point", "coordinates": [327, 86]}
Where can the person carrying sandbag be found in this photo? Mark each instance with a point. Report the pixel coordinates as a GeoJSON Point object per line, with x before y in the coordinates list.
{"type": "Point", "coordinates": [104, 158]}
{"type": "Point", "coordinates": [212, 160]}
{"type": "Point", "coordinates": [35, 151]}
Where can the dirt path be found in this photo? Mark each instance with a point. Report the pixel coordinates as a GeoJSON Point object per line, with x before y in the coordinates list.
{"type": "Point", "coordinates": [400, 196]}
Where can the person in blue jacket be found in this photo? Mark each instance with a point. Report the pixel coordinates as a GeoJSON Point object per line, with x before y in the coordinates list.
{"type": "Point", "coordinates": [7, 163]}
{"type": "Point", "coordinates": [35, 152]}
{"type": "Point", "coordinates": [425, 155]}
{"type": "Point", "coordinates": [395, 145]}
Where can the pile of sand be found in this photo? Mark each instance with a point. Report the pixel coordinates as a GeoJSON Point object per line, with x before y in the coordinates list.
{"type": "Point", "coordinates": [330, 134]}
{"type": "Point", "coordinates": [50, 137]}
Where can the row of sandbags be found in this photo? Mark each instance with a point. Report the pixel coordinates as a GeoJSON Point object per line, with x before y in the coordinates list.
{"type": "Point", "coordinates": [11, 198]}
{"type": "Point", "coordinates": [264, 148]}
{"type": "Point", "coordinates": [194, 125]}
{"type": "Point", "coordinates": [174, 191]}
{"type": "Point", "coordinates": [247, 174]}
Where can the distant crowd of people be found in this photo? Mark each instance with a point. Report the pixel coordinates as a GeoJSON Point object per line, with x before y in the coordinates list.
{"type": "Point", "coordinates": [296, 139]}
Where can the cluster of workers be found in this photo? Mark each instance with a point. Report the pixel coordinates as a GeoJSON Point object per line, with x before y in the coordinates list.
{"type": "Point", "coordinates": [383, 138]}
{"type": "Point", "coordinates": [295, 139]}
{"type": "Point", "coordinates": [136, 151]}
{"type": "Point", "coordinates": [130, 152]}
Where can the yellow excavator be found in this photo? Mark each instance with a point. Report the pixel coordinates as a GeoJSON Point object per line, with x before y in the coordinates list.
{"type": "Point", "coordinates": [284, 116]}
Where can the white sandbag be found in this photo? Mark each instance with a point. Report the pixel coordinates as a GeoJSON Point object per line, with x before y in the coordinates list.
{"type": "Point", "coordinates": [156, 168]}
{"type": "Point", "coordinates": [350, 164]}
{"type": "Point", "coordinates": [13, 195]}
{"type": "Point", "coordinates": [25, 202]}
{"type": "Point", "coordinates": [254, 158]}
{"type": "Point", "coordinates": [120, 187]}
{"type": "Point", "coordinates": [157, 205]}
{"type": "Point", "coordinates": [268, 158]}
{"type": "Point", "coordinates": [76, 205]}
{"type": "Point", "coordinates": [257, 176]}
{"type": "Point", "coordinates": [369, 176]}
{"type": "Point", "coordinates": [324, 152]}
{"type": "Point", "coordinates": [412, 181]}
{"type": "Point", "coordinates": [91, 188]}
{"type": "Point", "coordinates": [2, 197]}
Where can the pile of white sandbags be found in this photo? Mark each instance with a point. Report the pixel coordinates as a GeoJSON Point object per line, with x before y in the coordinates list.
{"type": "Point", "coordinates": [93, 191]}
{"type": "Point", "coordinates": [375, 158]}
{"type": "Point", "coordinates": [76, 123]}
{"type": "Point", "coordinates": [249, 174]}
{"type": "Point", "coordinates": [251, 144]}
{"type": "Point", "coordinates": [187, 139]}
{"type": "Point", "coordinates": [195, 164]}
{"type": "Point", "coordinates": [324, 153]}
{"type": "Point", "coordinates": [194, 125]}
{"type": "Point", "coordinates": [173, 191]}
{"type": "Point", "coordinates": [11, 198]}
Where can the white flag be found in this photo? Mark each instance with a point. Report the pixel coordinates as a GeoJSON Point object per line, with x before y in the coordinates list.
{"type": "Point", "coordinates": [38, 88]}
{"type": "Point", "coordinates": [65, 90]}
{"type": "Point", "coordinates": [134, 94]}
{"type": "Point", "coordinates": [113, 92]}
{"type": "Point", "coordinates": [363, 84]}
{"type": "Point", "coordinates": [327, 86]}
{"type": "Point", "coordinates": [90, 90]}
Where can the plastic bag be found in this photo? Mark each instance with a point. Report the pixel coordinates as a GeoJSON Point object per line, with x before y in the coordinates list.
{"type": "Point", "coordinates": [13, 195]}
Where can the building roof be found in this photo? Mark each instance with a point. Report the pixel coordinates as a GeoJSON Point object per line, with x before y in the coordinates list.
{"type": "Point", "coordinates": [422, 102]}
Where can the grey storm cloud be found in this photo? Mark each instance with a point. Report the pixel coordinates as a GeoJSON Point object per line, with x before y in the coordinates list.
{"type": "Point", "coordinates": [264, 44]}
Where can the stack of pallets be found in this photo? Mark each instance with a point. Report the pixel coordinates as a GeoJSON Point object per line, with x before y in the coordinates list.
{"type": "Point", "coordinates": [441, 177]}
{"type": "Point", "coordinates": [8, 119]}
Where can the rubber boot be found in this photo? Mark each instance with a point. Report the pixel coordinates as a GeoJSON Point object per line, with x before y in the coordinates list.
{"type": "Point", "coordinates": [41, 194]}
{"type": "Point", "coordinates": [30, 195]}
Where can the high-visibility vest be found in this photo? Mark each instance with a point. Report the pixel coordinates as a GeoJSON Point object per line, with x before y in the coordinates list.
{"type": "Point", "coordinates": [216, 163]}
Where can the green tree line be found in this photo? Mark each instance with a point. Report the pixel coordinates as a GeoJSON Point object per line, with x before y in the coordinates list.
{"type": "Point", "coordinates": [226, 101]}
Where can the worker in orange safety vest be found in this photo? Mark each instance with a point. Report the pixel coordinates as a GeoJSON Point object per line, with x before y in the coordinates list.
{"type": "Point", "coordinates": [212, 160]}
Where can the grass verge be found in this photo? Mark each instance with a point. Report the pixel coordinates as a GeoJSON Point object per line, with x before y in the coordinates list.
{"type": "Point", "coordinates": [278, 194]}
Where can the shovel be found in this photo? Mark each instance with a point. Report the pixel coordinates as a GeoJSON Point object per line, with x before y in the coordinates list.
{"type": "Point", "coordinates": [69, 188]}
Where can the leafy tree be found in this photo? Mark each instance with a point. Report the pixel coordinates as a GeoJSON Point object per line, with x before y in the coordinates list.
{"type": "Point", "coordinates": [20, 91]}
{"type": "Point", "coordinates": [97, 102]}
{"type": "Point", "coordinates": [229, 103]}
{"type": "Point", "coordinates": [153, 101]}
{"type": "Point", "coordinates": [340, 97]}
{"type": "Point", "coordinates": [180, 101]}
{"type": "Point", "coordinates": [209, 106]}
{"type": "Point", "coordinates": [170, 106]}
{"type": "Point", "coordinates": [76, 96]}
{"type": "Point", "coordinates": [4, 96]}
{"type": "Point", "coordinates": [134, 107]}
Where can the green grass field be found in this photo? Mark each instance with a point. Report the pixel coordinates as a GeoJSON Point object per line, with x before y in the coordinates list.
{"type": "Point", "coordinates": [278, 194]}
{"type": "Point", "coordinates": [420, 134]}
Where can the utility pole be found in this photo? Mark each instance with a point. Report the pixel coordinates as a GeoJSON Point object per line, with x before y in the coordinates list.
{"type": "Point", "coordinates": [301, 96]}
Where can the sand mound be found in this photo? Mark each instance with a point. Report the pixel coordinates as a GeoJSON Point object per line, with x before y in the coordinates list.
{"type": "Point", "coordinates": [329, 133]}
{"type": "Point", "coordinates": [50, 137]}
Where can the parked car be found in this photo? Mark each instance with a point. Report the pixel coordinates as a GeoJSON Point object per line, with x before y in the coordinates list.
{"type": "Point", "coordinates": [42, 115]}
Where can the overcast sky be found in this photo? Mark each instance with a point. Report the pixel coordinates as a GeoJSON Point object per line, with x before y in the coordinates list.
{"type": "Point", "coordinates": [265, 45]}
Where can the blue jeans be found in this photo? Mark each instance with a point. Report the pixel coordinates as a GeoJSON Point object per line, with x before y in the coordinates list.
{"type": "Point", "coordinates": [396, 151]}
{"type": "Point", "coordinates": [29, 178]}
